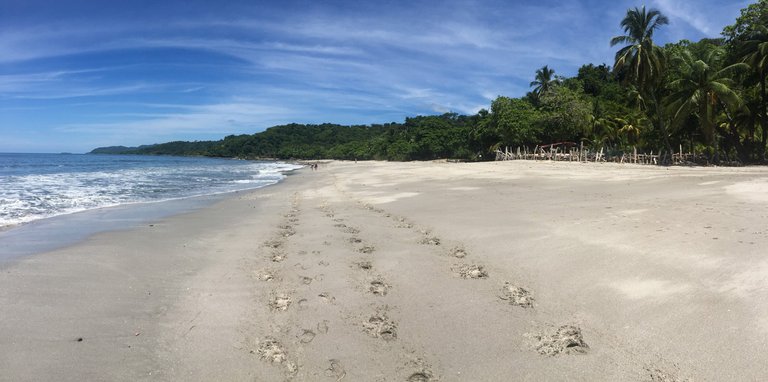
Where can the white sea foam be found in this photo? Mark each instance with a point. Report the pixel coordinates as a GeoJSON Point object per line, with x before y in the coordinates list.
{"type": "Point", "coordinates": [39, 187]}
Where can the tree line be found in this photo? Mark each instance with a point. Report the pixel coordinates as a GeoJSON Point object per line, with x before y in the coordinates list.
{"type": "Point", "coordinates": [707, 96]}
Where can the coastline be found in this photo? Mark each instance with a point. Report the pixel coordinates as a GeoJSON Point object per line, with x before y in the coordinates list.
{"type": "Point", "coordinates": [69, 228]}
{"type": "Point", "coordinates": [390, 271]}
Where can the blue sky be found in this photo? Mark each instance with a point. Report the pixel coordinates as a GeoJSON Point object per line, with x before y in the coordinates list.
{"type": "Point", "coordinates": [75, 75]}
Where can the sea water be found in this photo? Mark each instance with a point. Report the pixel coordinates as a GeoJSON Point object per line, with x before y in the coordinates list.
{"type": "Point", "coordinates": [47, 195]}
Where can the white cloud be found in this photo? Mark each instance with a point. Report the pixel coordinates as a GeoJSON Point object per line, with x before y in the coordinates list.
{"type": "Point", "coordinates": [688, 13]}
{"type": "Point", "coordinates": [223, 118]}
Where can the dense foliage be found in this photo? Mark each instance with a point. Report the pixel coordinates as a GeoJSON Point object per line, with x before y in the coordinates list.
{"type": "Point", "coordinates": [709, 96]}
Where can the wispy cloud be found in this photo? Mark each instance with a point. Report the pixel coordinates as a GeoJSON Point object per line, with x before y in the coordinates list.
{"type": "Point", "coordinates": [708, 17]}
{"type": "Point", "coordinates": [224, 118]}
{"type": "Point", "coordinates": [39, 94]}
{"type": "Point", "coordinates": [687, 12]}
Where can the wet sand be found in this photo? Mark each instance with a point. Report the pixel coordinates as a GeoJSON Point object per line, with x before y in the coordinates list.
{"type": "Point", "coordinates": [378, 271]}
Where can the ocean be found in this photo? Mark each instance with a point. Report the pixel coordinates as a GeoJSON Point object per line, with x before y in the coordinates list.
{"type": "Point", "coordinates": [41, 191]}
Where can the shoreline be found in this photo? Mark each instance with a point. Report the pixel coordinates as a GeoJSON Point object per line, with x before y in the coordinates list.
{"type": "Point", "coordinates": [70, 228]}
{"type": "Point", "coordinates": [449, 271]}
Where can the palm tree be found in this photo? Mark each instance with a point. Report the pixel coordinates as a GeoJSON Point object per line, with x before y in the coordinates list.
{"type": "Point", "coordinates": [601, 131]}
{"type": "Point", "coordinates": [702, 88]}
{"type": "Point", "coordinates": [754, 51]}
{"type": "Point", "coordinates": [630, 130]}
{"type": "Point", "coordinates": [640, 61]}
{"type": "Point", "coordinates": [544, 81]}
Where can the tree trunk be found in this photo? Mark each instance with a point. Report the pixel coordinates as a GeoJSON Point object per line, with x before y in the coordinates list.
{"type": "Point", "coordinates": [710, 130]}
{"type": "Point", "coordinates": [662, 127]}
{"type": "Point", "coordinates": [763, 115]}
{"type": "Point", "coordinates": [733, 137]}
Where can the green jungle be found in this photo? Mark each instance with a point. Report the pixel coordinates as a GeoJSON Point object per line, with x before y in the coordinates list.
{"type": "Point", "coordinates": [707, 96]}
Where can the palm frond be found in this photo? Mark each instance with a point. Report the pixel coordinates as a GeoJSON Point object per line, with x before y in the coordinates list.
{"type": "Point", "coordinates": [622, 40]}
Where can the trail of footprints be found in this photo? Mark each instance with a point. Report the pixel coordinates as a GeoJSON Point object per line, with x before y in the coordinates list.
{"type": "Point", "coordinates": [269, 348]}
{"type": "Point", "coordinates": [554, 341]}
{"type": "Point", "coordinates": [509, 292]}
{"type": "Point", "coordinates": [378, 324]}
{"type": "Point", "coordinates": [566, 339]}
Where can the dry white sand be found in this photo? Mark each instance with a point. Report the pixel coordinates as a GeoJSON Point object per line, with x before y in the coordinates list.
{"type": "Point", "coordinates": [370, 271]}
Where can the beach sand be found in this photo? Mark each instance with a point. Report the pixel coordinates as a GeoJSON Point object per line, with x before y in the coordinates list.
{"type": "Point", "coordinates": [371, 271]}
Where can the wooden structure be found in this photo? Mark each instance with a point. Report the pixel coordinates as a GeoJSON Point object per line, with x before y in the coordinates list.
{"type": "Point", "coordinates": [569, 152]}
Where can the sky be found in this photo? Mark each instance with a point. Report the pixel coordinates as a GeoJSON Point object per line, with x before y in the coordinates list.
{"type": "Point", "coordinates": [75, 75]}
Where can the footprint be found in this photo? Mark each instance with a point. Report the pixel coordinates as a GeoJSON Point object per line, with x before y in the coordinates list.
{"type": "Point", "coordinates": [379, 287]}
{"type": "Point", "coordinates": [322, 327]}
{"type": "Point", "coordinates": [355, 240]}
{"type": "Point", "coordinates": [380, 326]}
{"type": "Point", "coordinates": [307, 336]}
{"type": "Point", "coordinates": [430, 241]}
{"type": "Point", "coordinates": [470, 271]}
{"type": "Point", "coordinates": [657, 374]}
{"type": "Point", "coordinates": [351, 230]}
{"type": "Point", "coordinates": [306, 280]}
{"type": "Point", "coordinates": [400, 222]}
{"type": "Point", "coordinates": [423, 373]}
{"type": "Point", "coordinates": [336, 370]}
{"type": "Point", "coordinates": [264, 275]}
{"type": "Point", "coordinates": [566, 339]}
{"type": "Point", "coordinates": [420, 376]}
{"type": "Point", "coordinates": [326, 298]}
{"type": "Point", "coordinates": [458, 252]}
{"type": "Point", "coordinates": [271, 350]}
{"type": "Point", "coordinates": [367, 249]}
{"type": "Point", "coordinates": [273, 244]}
{"type": "Point", "coordinates": [280, 302]}
{"type": "Point", "coordinates": [278, 256]}
{"type": "Point", "coordinates": [369, 207]}
{"type": "Point", "coordinates": [516, 295]}
{"type": "Point", "coordinates": [364, 265]}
